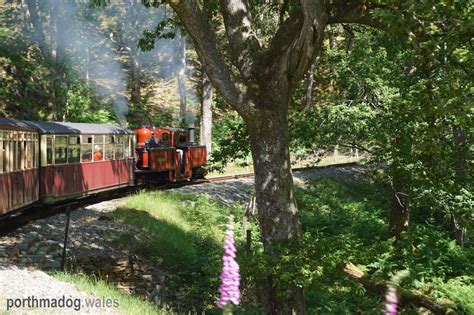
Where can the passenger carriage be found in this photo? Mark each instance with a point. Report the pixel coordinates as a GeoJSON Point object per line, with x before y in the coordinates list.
{"type": "Point", "coordinates": [79, 159]}
{"type": "Point", "coordinates": [18, 165]}
{"type": "Point", "coordinates": [47, 162]}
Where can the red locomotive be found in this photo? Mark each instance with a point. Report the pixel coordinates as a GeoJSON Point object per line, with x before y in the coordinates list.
{"type": "Point", "coordinates": [44, 162]}
{"type": "Point", "coordinates": [169, 153]}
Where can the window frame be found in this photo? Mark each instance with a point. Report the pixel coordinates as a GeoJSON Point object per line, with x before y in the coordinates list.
{"type": "Point", "coordinates": [72, 146]}
{"type": "Point", "coordinates": [108, 144]}
{"type": "Point", "coordinates": [1, 152]}
{"type": "Point", "coordinates": [98, 143]}
{"type": "Point", "coordinates": [85, 143]}
{"type": "Point", "coordinates": [56, 147]}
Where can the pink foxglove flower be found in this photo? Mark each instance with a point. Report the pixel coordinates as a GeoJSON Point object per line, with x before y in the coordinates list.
{"type": "Point", "coordinates": [230, 277]}
{"type": "Point", "coordinates": [391, 301]}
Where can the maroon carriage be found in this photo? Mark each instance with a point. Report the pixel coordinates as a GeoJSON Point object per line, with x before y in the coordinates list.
{"type": "Point", "coordinates": [18, 165]}
{"type": "Point", "coordinates": [79, 159]}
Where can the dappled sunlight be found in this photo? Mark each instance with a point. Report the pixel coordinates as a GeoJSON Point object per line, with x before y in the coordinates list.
{"type": "Point", "coordinates": [183, 234]}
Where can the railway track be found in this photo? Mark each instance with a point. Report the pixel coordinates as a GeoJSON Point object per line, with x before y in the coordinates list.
{"type": "Point", "coordinates": [24, 216]}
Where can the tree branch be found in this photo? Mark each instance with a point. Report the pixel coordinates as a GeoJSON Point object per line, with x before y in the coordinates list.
{"type": "Point", "coordinates": [298, 41]}
{"type": "Point", "coordinates": [243, 40]}
{"type": "Point", "coordinates": [358, 12]}
{"type": "Point", "coordinates": [205, 43]}
{"type": "Point", "coordinates": [283, 9]}
{"type": "Point", "coordinates": [380, 287]}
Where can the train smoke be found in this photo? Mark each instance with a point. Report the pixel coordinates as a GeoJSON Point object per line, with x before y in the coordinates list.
{"type": "Point", "coordinates": [90, 44]}
{"type": "Point", "coordinates": [83, 40]}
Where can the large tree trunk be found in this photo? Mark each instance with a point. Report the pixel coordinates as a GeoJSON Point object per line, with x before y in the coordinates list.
{"type": "Point", "coordinates": [278, 215]}
{"type": "Point", "coordinates": [206, 113]}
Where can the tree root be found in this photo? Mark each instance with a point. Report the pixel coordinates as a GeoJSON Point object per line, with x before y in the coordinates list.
{"type": "Point", "coordinates": [405, 296]}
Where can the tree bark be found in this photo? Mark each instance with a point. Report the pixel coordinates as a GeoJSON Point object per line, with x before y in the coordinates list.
{"type": "Point", "coordinates": [309, 90]}
{"type": "Point", "coordinates": [260, 91]}
{"type": "Point", "coordinates": [399, 212]}
{"type": "Point", "coordinates": [180, 64]}
{"type": "Point", "coordinates": [459, 232]}
{"type": "Point", "coordinates": [135, 77]}
{"type": "Point", "coordinates": [461, 147]}
{"type": "Point", "coordinates": [380, 287]}
{"type": "Point", "coordinates": [206, 113]}
{"type": "Point", "coordinates": [58, 56]}
{"type": "Point", "coordinates": [278, 215]}
{"type": "Point", "coordinates": [38, 31]}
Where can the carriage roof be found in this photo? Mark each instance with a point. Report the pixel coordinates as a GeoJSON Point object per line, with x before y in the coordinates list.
{"type": "Point", "coordinates": [77, 128]}
{"type": "Point", "coordinates": [14, 124]}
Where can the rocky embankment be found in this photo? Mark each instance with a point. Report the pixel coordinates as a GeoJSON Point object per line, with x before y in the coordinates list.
{"type": "Point", "coordinates": [95, 246]}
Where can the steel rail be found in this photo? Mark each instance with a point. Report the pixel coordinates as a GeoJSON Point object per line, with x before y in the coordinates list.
{"type": "Point", "coordinates": [19, 218]}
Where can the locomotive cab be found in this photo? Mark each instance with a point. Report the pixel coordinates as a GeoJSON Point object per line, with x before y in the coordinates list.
{"type": "Point", "coordinates": [169, 153]}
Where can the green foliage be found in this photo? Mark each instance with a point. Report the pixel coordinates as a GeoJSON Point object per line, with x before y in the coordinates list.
{"type": "Point", "coordinates": [402, 101]}
{"type": "Point", "coordinates": [33, 84]}
{"type": "Point", "coordinates": [184, 236]}
{"type": "Point", "coordinates": [163, 30]}
{"type": "Point", "coordinates": [347, 222]}
{"type": "Point", "coordinates": [83, 106]}
{"type": "Point", "coordinates": [25, 76]}
{"type": "Point", "coordinates": [230, 142]}
{"type": "Point", "coordinates": [343, 221]}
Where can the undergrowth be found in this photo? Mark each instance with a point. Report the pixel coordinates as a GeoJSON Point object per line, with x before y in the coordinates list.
{"type": "Point", "coordinates": [183, 235]}
{"type": "Point", "coordinates": [343, 222]}
{"type": "Point", "coordinates": [101, 289]}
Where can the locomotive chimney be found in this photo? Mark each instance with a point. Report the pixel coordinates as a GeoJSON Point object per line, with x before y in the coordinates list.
{"type": "Point", "coordinates": [191, 134]}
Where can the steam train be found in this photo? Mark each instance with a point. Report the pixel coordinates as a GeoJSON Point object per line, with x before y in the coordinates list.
{"type": "Point", "coordinates": [46, 162]}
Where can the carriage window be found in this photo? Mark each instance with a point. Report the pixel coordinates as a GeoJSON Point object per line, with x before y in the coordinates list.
{"type": "Point", "coordinates": [74, 155]}
{"type": "Point", "coordinates": [165, 138]}
{"type": "Point", "coordinates": [109, 147]}
{"type": "Point", "coordinates": [32, 154]}
{"type": "Point", "coordinates": [119, 148]}
{"type": "Point", "coordinates": [35, 150]}
{"type": "Point", "coordinates": [2, 159]}
{"type": "Point", "coordinates": [49, 151]}
{"type": "Point", "coordinates": [98, 148]}
{"type": "Point", "coordinates": [4, 155]}
{"type": "Point", "coordinates": [74, 140]}
{"type": "Point", "coordinates": [86, 149]}
{"type": "Point", "coordinates": [10, 149]}
{"type": "Point", "coordinates": [60, 150]}
{"type": "Point", "coordinates": [180, 139]}
{"type": "Point", "coordinates": [126, 150]}
{"type": "Point", "coordinates": [22, 151]}
{"type": "Point", "coordinates": [74, 149]}
{"type": "Point", "coordinates": [18, 156]}
{"type": "Point", "coordinates": [28, 152]}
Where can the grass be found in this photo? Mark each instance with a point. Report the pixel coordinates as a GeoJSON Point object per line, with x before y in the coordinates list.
{"type": "Point", "coordinates": [127, 304]}
{"type": "Point", "coordinates": [183, 234]}
{"type": "Point", "coordinates": [343, 222]}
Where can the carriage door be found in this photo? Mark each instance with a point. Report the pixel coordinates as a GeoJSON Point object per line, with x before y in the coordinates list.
{"type": "Point", "coordinates": [17, 180]}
